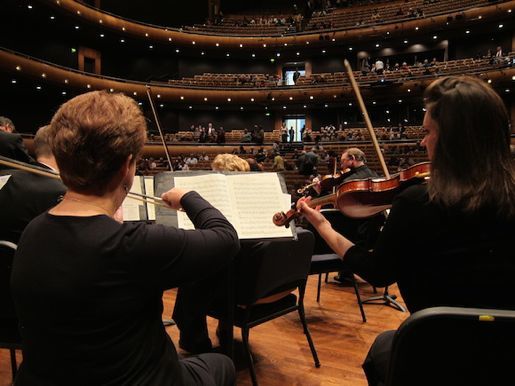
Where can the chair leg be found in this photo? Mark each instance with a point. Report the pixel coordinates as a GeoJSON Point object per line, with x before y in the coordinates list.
{"type": "Point", "coordinates": [245, 339]}
{"type": "Point", "coordinates": [319, 286]}
{"type": "Point", "coordinates": [360, 303]}
{"type": "Point", "coordinates": [327, 277]}
{"type": "Point", "coordinates": [14, 366]}
{"type": "Point", "coordinates": [302, 317]}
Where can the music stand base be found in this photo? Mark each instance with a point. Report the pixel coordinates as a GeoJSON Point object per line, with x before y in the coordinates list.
{"type": "Point", "coordinates": [168, 322]}
{"type": "Point", "coordinates": [385, 299]}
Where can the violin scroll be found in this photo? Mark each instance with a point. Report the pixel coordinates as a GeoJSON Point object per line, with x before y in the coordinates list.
{"type": "Point", "coordinates": [283, 219]}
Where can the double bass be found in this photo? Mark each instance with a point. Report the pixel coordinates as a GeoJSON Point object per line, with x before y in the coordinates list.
{"type": "Point", "coordinates": [364, 198]}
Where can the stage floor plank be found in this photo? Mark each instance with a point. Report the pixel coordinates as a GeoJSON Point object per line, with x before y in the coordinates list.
{"type": "Point", "coordinates": [280, 349]}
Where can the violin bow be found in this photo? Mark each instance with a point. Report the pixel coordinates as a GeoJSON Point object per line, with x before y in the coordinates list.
{"type": "Point", "coordinates": [159, 128]}
{"type": "Point", "coordinates": [49, 173]}
{"type": "Point", "coordinates": [367, 118]}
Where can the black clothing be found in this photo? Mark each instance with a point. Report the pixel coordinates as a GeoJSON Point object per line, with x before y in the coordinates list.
{"type": "Point", "coordinates": [99, 286]}
{"type": "Point", "coordinates": [11, 146]}
{"type": "Point", "coordinates": [440, 256]}
{"type": "Point", "coordinates": [23, 197]}
{"type": "Point", "coordinates": [360, 173]}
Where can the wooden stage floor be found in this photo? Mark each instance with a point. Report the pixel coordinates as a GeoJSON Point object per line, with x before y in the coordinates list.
{"type": "Point", "coordinates": [281, 352]}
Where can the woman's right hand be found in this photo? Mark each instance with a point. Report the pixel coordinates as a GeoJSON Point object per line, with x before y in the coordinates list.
{"type": "Point", "coordinates": [173, 197]}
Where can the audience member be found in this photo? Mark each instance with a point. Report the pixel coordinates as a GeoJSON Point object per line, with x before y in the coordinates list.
{"type": "Point", "coordinates": [11, 143]}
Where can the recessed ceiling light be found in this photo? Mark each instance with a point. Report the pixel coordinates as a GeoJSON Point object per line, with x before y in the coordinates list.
{"type": "Point", "coordinates": [151, 47]}
{"type": "Point", "coordinates": [501, 25]}
{"type": "Point", "coordinates": [311, 97]}
{"type": "Point", "coordinates": [190, 107]}
{"type": "Point", "coordinates": [205, 99]}
{"type": "Point", "coordinates": [177, 50]}
{"type": "Point", "coordinates": [284, 107]}
{"type": "Point", "coordinates": [77, 27]}
{"type": "Point", "coordinates": [182, 98]}
{"type": "Point", "coordinates": [52, 17]}
{"type": "Point", "coordinates": [88, 86]}
{"type": "Point", "coordinates": [217, 44]}
{"type": "Point", "coordinates": [64, 93]}
{"type": "Point", "coordinates": [416, 28]}
{"type": "Point", "coordinates": [298, 53]}
{"type": "Point", "coordinates": [241, 45]}
{"type": "Point", "coordinates": [193, 42]}
{"type": "Point", "coordinates": [29, 6]}
{"type": "Point", "coordinates": [291, 98]}
{"type": "Point", "coordinates": [264, 45]}
{"type": "Point", "coordinates": [377, 44]}
{"type": "Point", "coordinates": [216, 107]}
{"type": "Point", "coordinates": [101, 35]}
{"type": "Point", "coordinates": [405, 42]}
{"type": "Point", "coordinates": [38, 87]}
{"type": "Point", "coordinates": [146, 34]}
{"type": "Point", "coordinates": [122, 41]}
{"type": "Point", "coordinates": [350, 48]}
{"type": "Point", "coordinates": [278, 54]}
{"type": "Point", "coordinates": [161, 105]}
{"type": "Point", "coordinates": [253, 55]}
{"type": "Point", "coordinates": [13, 81]}
{"type": "Point", "coordinates": [202, 53]}
{"type": "Point", "coordinates": [307, 42]}
{"type": "Point", "coordinates": [228, 99]}
{"type": "Point", "coordinates": [252, 99]}
{"type": "Point", "coordinates": [435, 37]}
{"type": "Point", "coordinates": [123, 28]}
{"type": "Point", "coordinates": [467, 31]}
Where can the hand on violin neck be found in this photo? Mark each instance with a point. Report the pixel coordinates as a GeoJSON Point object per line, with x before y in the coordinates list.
{"type": "Point", "coordinates": [312, 215]}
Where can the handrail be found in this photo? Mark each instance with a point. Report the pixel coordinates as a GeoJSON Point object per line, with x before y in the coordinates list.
{"type": "Point", "coordinates": [236, 88]}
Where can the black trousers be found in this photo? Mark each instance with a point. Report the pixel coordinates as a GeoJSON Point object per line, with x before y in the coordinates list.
{"type": "Point", "coordinates": [378, 358]}
{"type": "Point", "coordinates": [208, 370]}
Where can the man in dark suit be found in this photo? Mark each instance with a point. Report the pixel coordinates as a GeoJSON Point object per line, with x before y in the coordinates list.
{"type": "Point", "coordinates": [11, 144]}
{"type": "Point", "coordinates": [24, 195]}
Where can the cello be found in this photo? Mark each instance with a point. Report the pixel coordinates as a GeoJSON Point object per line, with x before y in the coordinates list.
{"type": "Point", "coordinates": [364, 198]}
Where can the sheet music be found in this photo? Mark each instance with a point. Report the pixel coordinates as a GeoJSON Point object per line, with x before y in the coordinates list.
{"type": "Point", "coordinates": [3, 180]}
{"type": "Point", "coordinates": [149, 189]}
{"type": "Point", "coordinates": [213, 188]}
{"type": "Point", "coordinates": [131, 207]}
{"type": "Point", "coordinates": [257, 197]}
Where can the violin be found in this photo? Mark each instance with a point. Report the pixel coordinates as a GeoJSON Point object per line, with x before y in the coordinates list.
{"type": "Point", "coordinates": [365, 198]}
{"type": "Point", "coordinates": [326, 182]}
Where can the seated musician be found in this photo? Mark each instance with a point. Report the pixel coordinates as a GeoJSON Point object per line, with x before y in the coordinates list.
{"type": "Point", "coordinates": [11, 143]}
{"type": "Point", "coordinates": [446, 243]}
{"type": "Point", "coordinates": [194, 299]}
{"type": "Point", "coordinates": [26, 195]}
{"type": "Point", "coordinates": [87, 289]}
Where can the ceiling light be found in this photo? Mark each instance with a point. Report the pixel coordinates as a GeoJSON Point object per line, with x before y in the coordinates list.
{"type": "Point", "coordinates": [151, 47]}
{"type": "Point", "coordinates": [278, 54]}
{"type": "Point", "coordinates": [101, 35]}
{"type": "Point", "coordinates": [405, 42]}
{"type": "Point", "coordinates": [350, 48]}
{"type": "Point", "coordinates": [253, 55]}
{"type": "Point", "coordinates": [252, 99]}
{"type": "Point", "coordinates": [38, 87]}
{"type": "Point", "coordinates": [291, 98]}
{"type": "Point", "coordinates": [64, 93]}
{"type": "Point", "coordinates": [177, 50]}
{"type": "Point", "coordinates": [190, 107]}
{"type": "Point", "coordinates": [13, 81]}
{"type": "Point", "coordinates": [123, 28]}
{"type": "Point", "coordinates": [216, 107]}
{"type": "Point", "coordinates": [323, 51]}
{"type": "Point", "coordinates": [202, 53]}
{"type": "Point", "coordinates": [161, 105]}
{"type": "Point", "coordinates": [169, 39]}
{"type": "Point", "coordinates": [146, 34]}
{"type": "Point", "coordinates": [284, 107]}
{"type": "Point", "coordinates": [193, 42]}
{"type": "Point", "coordinates": [416, 28]}
{"type": "Point", "coordinates": [241, 45]}
{"type": "Point", "coordinates": [205, 99]}
{"type": "Point", "coordinates": [217, 44]}
{"type": "Point", "coordinates": [264, 45]}
{"type": "Point", "coordinates": [501, 25]}
{"type": "Point", "coordinates": [228, 99]}
{"type": "Point", "coordinates": [122, 41]}
{"type": "Point", "coordinates": [377, 44]}
{"type": "Point", "coordinates": [111, 89]}
{"type": "Point", "coordinates": [52, 17]}
{"type": "Point", "coordinates": [227, 54]}
{"type": "Point", "coordinates": [298, 53]}
{"type": "Point", "coordinates": [182, 98]}
{"type": "Point", "coordinates": [467, 31]}
{"type": "Point", "coordinates": [88, 86]}
{"type": "Point", "coordinates": [77, 27]}
{"type": "Point", "coordinates": [29, 6]}
{"type": "Point", "coordinates": [311, 97]}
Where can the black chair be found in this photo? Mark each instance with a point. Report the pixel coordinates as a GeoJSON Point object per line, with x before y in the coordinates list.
{"type": "Point", "coordinates": [454, 346]}
{"type": "Point", "coordinates": [324, 260]}
{"type": "Point", "coordinates": [265, 275]}
{"type": "Point", "coordinates": [9, 335]}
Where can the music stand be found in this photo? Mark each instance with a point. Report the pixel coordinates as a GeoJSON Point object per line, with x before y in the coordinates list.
{"type": "Point", "coordinates": [385, 299]}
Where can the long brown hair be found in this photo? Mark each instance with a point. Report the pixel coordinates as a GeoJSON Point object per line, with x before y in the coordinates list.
{"type": "Point", "coordinates": [471, 165]}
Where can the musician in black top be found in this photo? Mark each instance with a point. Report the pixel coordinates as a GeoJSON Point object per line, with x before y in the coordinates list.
{"type": "Point", "coordinates": [447, 243]}
{"type": "Point", "coordinates": [87, 289]}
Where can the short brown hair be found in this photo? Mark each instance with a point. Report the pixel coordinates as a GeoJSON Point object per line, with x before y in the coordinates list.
{"type": "Point", "coordinates": [42, 142]}
{"type": "Point", "coordinates": [356, 154]}
{"type": "Point", "coordinates": [91, 137]}
{"type": "Point", "coordinates": [471, 165]}
{"type": "Point", "coordinates": [230, 163]}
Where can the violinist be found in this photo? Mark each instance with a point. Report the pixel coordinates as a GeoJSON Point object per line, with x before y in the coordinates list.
{"type": "Point", "coordinates": [99, 283]}
{"type": "Point", "coordinates": [26, 195]}
{"type": "Point", "coordinates": [447, 242]}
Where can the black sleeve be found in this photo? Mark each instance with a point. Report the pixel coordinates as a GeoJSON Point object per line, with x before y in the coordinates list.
{"type": "Point", "coordinates": [381, 267]}
{"type": "Point", "coordinates": [174, 256]}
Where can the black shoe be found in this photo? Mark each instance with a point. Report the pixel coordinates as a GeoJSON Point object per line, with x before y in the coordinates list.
{"type": "Point", "coordinates": [196, 348]}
